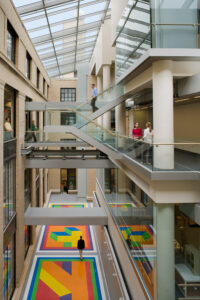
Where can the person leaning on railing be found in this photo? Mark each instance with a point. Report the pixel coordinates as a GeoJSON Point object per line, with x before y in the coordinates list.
{"type": "Point", "coordinates": [137, 131]}
{"type": "Point", "coordinates": [148, 139]}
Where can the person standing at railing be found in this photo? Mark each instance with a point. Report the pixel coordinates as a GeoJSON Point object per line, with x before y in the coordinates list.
{"type": "Point", "coordinates": [33, 128]}
{"type": "Point", "coordinates": [94, 98]}
{"type": "Point", "coordinates": [8, 129]}
{"type": "Point", "coordinates": [137, 131]}
{"type": "Point", "coordinates": [148, 139]}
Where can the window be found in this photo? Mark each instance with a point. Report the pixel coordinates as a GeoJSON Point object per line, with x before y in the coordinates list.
{"type": "Point", "coordinates": [68, 118]}
{"type": "Point", "coordinates": [9, 113]}
{"type": "Point", "coordinates": [9, 191]}
{"type": "Point", "coordinates": [11, 42]}
{"type": "Point", "coordinates": [67, 94]}
{"type": "Point", "coordinates": [28, 65]}
{"type": "Point", "coordinates": [44, 86]}
{"type": "Point", "coordinates": [68, 178]}
{"type": "Point", "coordinates": [38, 78]}
{"type": "Point", "coordinates": [27, 238]}
{"type": "Point", "coordinates": [47, 91]}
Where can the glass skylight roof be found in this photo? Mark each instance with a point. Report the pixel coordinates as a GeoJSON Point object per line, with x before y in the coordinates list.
{"type": "Point", "coordinates": [64, 32]}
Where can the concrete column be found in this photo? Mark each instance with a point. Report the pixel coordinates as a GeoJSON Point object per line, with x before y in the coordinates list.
{"type": "Point", "coordinates": [165, 251]}
{"type": "Point", "coordinates": [2, 84]}
{"type": "Point", "coordinates": [40, 170]}
{"type": "Point", "coordinates": [20, 130]}
{"type": "Point", "coordinates": [163, 116]}
{"type": "Point", "coordinates": [82, 184]}
{"type": "Point", "coordinates": [130, 122]}
{"type": "Point", "coordinates": [120, 122]}
{"type": "Point", "coordinates": [99, 90]}
{"type": "Point", "coordinates": [45, 185]}
{"type": "Point", "coordinates": [106, 85]}
{"type": "Point", "coordinates": [33, 201]}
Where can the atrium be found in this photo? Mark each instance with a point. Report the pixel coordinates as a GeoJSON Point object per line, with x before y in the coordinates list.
{"type": "Point", "coordinates": [100, 156]}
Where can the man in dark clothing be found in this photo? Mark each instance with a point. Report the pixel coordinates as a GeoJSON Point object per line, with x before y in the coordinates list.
{"type": "Point", "coordinates": [81, 246]}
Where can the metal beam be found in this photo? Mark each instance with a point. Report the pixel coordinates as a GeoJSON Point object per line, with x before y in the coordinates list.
{"type": "Point", "coordinates": [63, 216]}
{"type": "Point", "coordinates": [67, 163]}
{"type": "Point", "coordinates": [66, 32]}
{"type": "Point", "coordinates": [51, 35]}
{"type": "Point", "coordinates": [31, 8]}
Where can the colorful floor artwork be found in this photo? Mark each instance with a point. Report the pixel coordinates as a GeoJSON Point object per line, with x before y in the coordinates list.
{"type": "Point", "coordinates": [65, 237]}
{"type": "Point", "coordinates": [60, 205]}
{"type": "Point", "coordinates": [122, 206]}
{"type": "Point", "coordinates": [141, 243]}
{"type": "Point", "coordinates": [139, 235]}
{"type": "Point", "coordinates": [64, 278]}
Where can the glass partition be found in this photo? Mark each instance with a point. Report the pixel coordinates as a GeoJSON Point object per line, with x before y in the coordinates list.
{"type": "Point", "coordinates": [187, 253]}
{"type": "Point", "coordinates": [133, 35]}
{"type": "Point", "coordinates": [134, 216]}
{"type": "Point", "coordinates": [149, 24]}
{"type": "Point", "coordinates": [9, 201]}
{"type": "Point", "coordinates": [174, 24]}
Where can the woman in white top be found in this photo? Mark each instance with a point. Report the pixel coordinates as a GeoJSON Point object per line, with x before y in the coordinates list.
{"type": "Point", "coordinates": [148, 133]}
{"type": "Point", "coordinates": [148, 138]}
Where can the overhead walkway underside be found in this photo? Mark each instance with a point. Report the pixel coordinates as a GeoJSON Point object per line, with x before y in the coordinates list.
{"type": "Point", "coordinates": [63, 216]}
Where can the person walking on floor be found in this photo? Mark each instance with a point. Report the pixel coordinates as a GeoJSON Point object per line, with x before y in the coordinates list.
{"type": "Point", "coordinates": [81, 246]}
{"type": "Point", "coordinates": [94, 98]}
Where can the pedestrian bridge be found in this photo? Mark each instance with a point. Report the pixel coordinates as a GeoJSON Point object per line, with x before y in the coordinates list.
{"type": "Point", "coordinates": [65, 216]}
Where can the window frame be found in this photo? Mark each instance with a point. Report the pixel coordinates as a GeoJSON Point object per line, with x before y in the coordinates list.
{"type": "Point", "coordinates": [66, 93]}
{"type": "Point", "coordinates": [13, 34]}
{"type": "Point", "coordinates": [28, 65]}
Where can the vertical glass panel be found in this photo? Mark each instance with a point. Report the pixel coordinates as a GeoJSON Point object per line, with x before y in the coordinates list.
{"type": "Point", "coordinates": [9, 113]}
{"type": "Point", "coordinates": [187, 253]}
{"type": "Point", "coordinates": [134, 217]}
{"type": "Point", "coordinates": [9, 191]}
{"type": "Point", "coordinates": [8, 271]}
{"type": "Point", "coordinates": [133, 35]}
{"type": "Point", "coordinates": [174, 24]}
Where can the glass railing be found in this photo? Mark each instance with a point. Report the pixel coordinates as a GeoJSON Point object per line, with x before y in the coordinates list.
{"type": "Point", "coordinates": [134, 218]}
{"type": "Point", "coordinates": [80, 115]}
{"type": "Point", "coordinates": [50, 137]}
{"type": "Point", "coordinates": [178, 156]}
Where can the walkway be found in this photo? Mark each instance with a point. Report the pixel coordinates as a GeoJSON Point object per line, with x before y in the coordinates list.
{"type": "Point", "coordinates": [58, 273]}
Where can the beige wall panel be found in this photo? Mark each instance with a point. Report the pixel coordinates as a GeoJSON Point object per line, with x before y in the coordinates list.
{"type": "Point", "coordinates": [187, 125]}
{"type": "Point", "coordinates": [33, 72]}
{"type": "Point", "coordinates": [54, 179]}
{"type": "Point", "coordinates": [91, 181]}
{"type": "Point", "coordinates": [2, 32]}
{"type": "Point", "coordinates": [56, 85]}
{"type": "Point", "coordinates": [21, 57]}
{"type": "Point", "coordinates": [141, 116]}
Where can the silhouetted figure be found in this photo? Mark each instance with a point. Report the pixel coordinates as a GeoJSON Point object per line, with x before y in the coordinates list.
{"type": "Point", "coordinates": [81, 246]}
